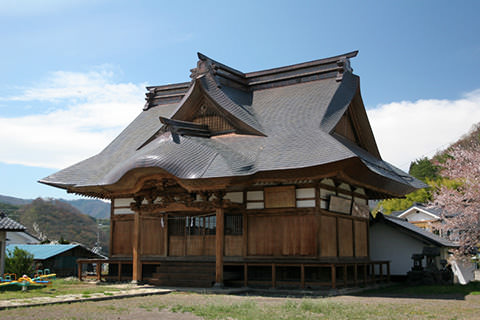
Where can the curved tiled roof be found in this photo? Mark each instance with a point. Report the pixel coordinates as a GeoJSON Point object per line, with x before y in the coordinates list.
{"type": "Point", "coordinates": [286, 115]}
{"type": "Point", "coordinates": [7, 224]}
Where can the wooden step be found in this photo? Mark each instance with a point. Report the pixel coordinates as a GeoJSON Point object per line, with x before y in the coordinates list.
{"type": "Point", "coordinates": [184, 269]}
{"type": "Point", "coordinates": [186, 276]}
{"type": "Point", "coordinates": [182, 283]}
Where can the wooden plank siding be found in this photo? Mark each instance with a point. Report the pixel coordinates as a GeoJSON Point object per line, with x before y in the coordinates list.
{"type": "Point", "coordinates": [289, 234]}
{"type": "Point", "coordinates": [328, 236]}
{"type": "Point", "coordinates": [151, 236]}
{"type": "Point", "coordinates": [290, 226]}
{"type": "Point", "coordinates": [361, 238]}
{"type": "Point", "coordinates": [281, 235]}
{"type": "Point", "coordinates": [345, 239]}
{"type": "Point", "coordinates": [122, 235]}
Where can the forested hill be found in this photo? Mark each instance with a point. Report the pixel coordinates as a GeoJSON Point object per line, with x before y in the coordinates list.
{"type": "Point", "coordinates": [95, 208]}
{"type": "Point", "coordinates": [54, 220]}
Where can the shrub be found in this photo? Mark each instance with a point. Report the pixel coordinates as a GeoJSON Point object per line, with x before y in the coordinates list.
{"type": "Point", "coordinates": [19, 262]}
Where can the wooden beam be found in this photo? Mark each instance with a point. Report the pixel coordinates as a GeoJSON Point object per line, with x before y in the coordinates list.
{"type": "Point", "coordinates": [137, 265]}
{"type": "Point", "coordinates": [219, 245]}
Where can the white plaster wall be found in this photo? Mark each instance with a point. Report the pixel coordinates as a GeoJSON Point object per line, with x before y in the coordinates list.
{"type": "Point", "coordinates": [387, 243]}
{"type": "Point", "coordinates": [420, 216]}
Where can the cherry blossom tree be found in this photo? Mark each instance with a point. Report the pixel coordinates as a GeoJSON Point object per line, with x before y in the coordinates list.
{"type": "Point", "coordinates": [460, 199]}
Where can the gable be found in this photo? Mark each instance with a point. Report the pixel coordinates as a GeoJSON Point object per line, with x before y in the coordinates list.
{"type": "Point", "coordinates": [418, 214]}
{"type": "Point", "coordinates": [355, 127]}
{"type": "Point", "coordinates": [206, 106]}
{"type": "Point", "coordinates": [208, 116]}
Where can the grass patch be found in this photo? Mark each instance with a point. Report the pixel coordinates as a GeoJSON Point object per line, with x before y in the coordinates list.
{"type": "Point", "coordinates": [240, 311]}
{"type": "Point", "coordinates": [56, 288]}
{"type": "Point", "coordinates": [146, 307]}
{"type": "Point", "coordinates": [304, 309]}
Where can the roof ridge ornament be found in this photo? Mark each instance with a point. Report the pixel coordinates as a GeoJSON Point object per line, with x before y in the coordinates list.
{"type": "Point", "coordinates": [343, 65]}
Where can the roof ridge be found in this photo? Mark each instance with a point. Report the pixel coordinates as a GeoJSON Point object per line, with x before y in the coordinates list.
{"type": "Point", "coordinates": [302, 65]}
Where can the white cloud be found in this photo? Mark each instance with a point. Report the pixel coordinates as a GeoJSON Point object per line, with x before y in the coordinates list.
{"type": "Point", "coordinates": [406, 131]}
{"type": "Point", "coordinates": [86, 111]}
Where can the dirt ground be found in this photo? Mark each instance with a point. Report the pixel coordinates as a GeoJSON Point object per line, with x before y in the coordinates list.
{"type": "Point", "coordinates": [157, 307]}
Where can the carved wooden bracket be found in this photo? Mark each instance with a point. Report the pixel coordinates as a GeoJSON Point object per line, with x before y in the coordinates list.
{"type": "Point", "coordinates": [166, 195]}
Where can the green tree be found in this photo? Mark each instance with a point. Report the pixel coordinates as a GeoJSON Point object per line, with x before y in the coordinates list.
{"type": "Point", "coordinates": [423, 169]}
{"type": "Point", "coordinates": [19, 262]}
{"type": "Point", "coordinates": [63, 240]}
{"type": "Point", "coordinates": [420, 196]}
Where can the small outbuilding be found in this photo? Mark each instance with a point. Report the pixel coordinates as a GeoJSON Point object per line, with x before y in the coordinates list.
{"type": "Point", "coordinates": [7, 225]}
{"type": "Point", "coordinates": [422, 216]}
{"type": "Point", "coordinates": [395, 239]}
{"type": "Point", "coordinates": [59, 258]}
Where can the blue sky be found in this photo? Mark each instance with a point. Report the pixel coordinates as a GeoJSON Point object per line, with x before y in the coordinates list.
{"type": "Point", "coordinates": [73, 72]}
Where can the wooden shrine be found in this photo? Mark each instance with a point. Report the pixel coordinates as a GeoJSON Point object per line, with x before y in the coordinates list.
{"type": "Point", "coordinates": [244, 179]}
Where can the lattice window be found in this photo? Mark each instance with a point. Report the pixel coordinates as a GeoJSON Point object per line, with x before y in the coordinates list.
{"type": "Point", "coordinates": [176, 226]}
{"type": "Point", "coordinates": [192, 225]}
{"type": "Point", "coordinates": [210, 224]}
{"type": "Point", "coordinates": [215, 122]}
{"type": "Point", "coordinates": [234, 225]}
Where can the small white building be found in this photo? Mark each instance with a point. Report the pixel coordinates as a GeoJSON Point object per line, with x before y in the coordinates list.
{"type": "Point", "coordinates": [396, 240]}
{"type": "Point", "coordinates": [421, 216]}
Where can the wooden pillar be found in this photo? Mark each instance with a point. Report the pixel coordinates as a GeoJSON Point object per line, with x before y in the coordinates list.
{"type": "Point", "coordinates": [98, 270]}
{"type": "Point", "coordinates": [302, 276]}
{"type": "Point", "coordinates": [355, 274]}
{"type": "Point", "coordinates": [119, 271]}
{"type": "Point", "coordinates": [165, 234]}
{"type": "Point", "coordinates": [137, 264]}
{"type": "Point", "coordinates": [365, 274]}
{"type": "Point", "coordinates": [373, 272]}
{"type": "Point", "coordinates": [274, 276]}
{"type": "Point", "coordinates": [333, 275]}
{"type": "Point", "coordinates": [245, 275]}
{"type": "Point", "coordinates": [219, 245]}
{"type": "Point", "coordinates": [388, 271]}
{"type": "Point", "coordinates": [112, 228]}
{"type": "Point", "coordinates": [79, 271]}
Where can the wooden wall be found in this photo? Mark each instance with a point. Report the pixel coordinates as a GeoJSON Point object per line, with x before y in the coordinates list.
{"type": "Point", "coordinates": [152, 236]}
{"type": "Point", "coordinates": [281, 235]}
{"type": "Point", "coordinates": [276, 235]}
{"type": "Point", "coordinates": [278, 221]}
{"type": "Point", "coordinates": [122, 235]}
{"type": "Point", "coordinates": [191, 245]}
